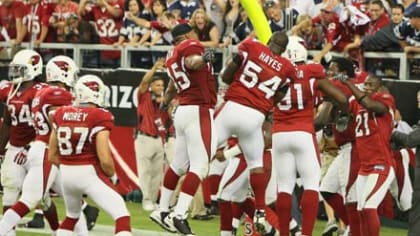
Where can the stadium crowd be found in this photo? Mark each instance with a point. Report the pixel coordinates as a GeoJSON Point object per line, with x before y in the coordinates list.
{"type": "Point", "coordinates": [355, 114]}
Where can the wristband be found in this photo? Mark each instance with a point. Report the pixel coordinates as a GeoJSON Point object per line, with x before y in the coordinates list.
{"type": "Point", "coordinates": [232, 152]}
{"type": "Point", "coordinates": [114, 179]}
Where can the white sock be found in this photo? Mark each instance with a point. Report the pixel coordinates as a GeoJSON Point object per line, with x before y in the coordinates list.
{"type": "Point", "coordinates": [184, 201]}
{"type": "Point", "coordinates": [9, 220]}
{"type": "Point", "coordinates": [81, 227]}
{"type": "Point", "coordinates": [165, 198]}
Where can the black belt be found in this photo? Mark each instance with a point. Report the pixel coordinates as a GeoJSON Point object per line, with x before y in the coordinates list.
{"type": "Point", "coordinates": [148, 135]}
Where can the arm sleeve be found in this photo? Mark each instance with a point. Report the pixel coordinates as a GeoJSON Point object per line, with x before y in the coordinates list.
{"type": "Point", "coordinates": [409, 140]}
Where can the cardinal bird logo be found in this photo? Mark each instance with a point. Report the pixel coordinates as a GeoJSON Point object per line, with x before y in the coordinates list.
{"type": "Point", "coordinates": [63, 65]}
{"type": "Point", "coordinates": [94, 86]}
{"type": "Point", "coordinates": [35, 60]}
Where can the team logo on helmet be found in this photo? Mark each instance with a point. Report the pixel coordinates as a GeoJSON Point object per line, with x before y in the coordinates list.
{"type": "Point", "coordinates": [94, 86]}
{"type": "Point", "coordinates": [35, 59]}
{"type": "Point", "coordinates": [63, 65]}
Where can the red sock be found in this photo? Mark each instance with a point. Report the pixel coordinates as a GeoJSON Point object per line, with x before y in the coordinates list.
{"type": "Point", "coordinates": [309, 205]}
{"type": "Point", "coordinates": [52, 217]}
{"type": "Point", "coordinates": [369, 222]}
{"type": "Point", "coordinates": [225, 210]}
{"type": "Point", "coordinates": [237, 210]}
{"type": "Point", "coordinates": [170, 180]}
{"type": "Point", "coordinates": [354, 219]}
{"type": "Point", "coordinates": [259, 183]}
{"type": "Point", "coordinates": [284, 212]}
{"type": "Point", "coordinates": [21, 209]}
{"type": "Point", "coordinates": [69, 223]}
{"type": "Point", "coordinates": [336, 201]}
{"type": "Point", "coordinates": [205, 184]}
{"type": "Point", "coordinates": [122, 224]}
{"type": "Point", "coordinates": [190, 184]}
{"type": "Point", "coordinates": [214, 181]}
{"type": "Point", "coordinates": [248, 206]}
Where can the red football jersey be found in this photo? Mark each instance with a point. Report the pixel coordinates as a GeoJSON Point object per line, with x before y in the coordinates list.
{"type": "Point", "coordinates": [296, 110]}
{"type": "Point", "coordinates": [43, 101]}
{"type": "Point", "coordinates": [194, 87]}
{"type": "Point", "coordinates": [76, 129]}
{"type": "Point", "coordinates": [8, 16]}
{"type": "Point", "coordinates": [107, 26]}
{"type": "Point", "coordinates": [35, 17]}
{"type": "Point", "coordinates": [259, 77]}
{"type": "Point", "coordinates": [150, 119]}
{"type": "Point", "coordinates": [373, 132]}
{"type": "Point", "coordinates": [19, 108]}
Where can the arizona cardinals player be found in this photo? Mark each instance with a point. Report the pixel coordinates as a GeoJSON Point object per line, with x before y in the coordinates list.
{"type": "Point", "coordinates": [257, 76]}
{"type": "Point", "coordinates": [17, 127]}
{"type": "Point", "coordinates": [79, 144]}
{"type": "Point", "coordinates": [61, 72]}
{"type": "Point", "coordinates": [295, 149]}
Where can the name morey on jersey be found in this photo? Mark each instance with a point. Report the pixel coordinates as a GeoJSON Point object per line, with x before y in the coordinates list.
{"type": "Point", "coordinates": [270, 61]}
{"type": "Point", "coordinates": [75, 116]}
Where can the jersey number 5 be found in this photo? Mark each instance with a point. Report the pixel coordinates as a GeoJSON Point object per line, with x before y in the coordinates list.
{"type": "Point", "coordinates": [249, 79]}
{"type": "Point", "coordinates": [179, 77]}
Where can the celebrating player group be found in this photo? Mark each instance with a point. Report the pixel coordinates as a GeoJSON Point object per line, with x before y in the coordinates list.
{"type": "Point", "coordinates": [260, 139]}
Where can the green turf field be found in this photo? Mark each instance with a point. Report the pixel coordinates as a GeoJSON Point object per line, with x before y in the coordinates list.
{"type": "Point", "coordinates": [140, 220]}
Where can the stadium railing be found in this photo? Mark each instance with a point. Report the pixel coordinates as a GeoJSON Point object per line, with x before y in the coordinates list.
{"type": "Point", "coordinates": [125, 61]}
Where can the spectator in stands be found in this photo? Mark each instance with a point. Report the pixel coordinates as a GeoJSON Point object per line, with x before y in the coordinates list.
{"type": "Point", "coordinates": [184, 8]}
{"type": "Point", "coordinates": [408, 34]}
{"type": "Point", "coordinates": [312, 35]}
{"type": "Point", "coordinates": [385, 39]}
{"type": "Point", "coordinates": [280, 17]}
{"type": "Point", "coordinates": [107, 16]}
{"type": "Point", "coordinates": [159, 15]}
{"type": "Point", "coordinates": [64, 17]}
{"type": "Point", "coordinates": [409, 5]}
{"type": "Point", "coordinates": [231, 20]}
{"type": "Point", "coordinates": [244, 29]}
{"type": "Point", "coordinates": [11, 14]}
{"type": "Point", "coordinates": [216, 10]}
{"type": "Point", "coordinates": [151, 135]}
{"type": "Point", "coordinates": [130, 32]}
{"type": "Point", "coordinates": [336, 37]}
{"type": "Point", "coordinates": [378, 19]}
{"type": "Point", "coordinates": [205, 29]}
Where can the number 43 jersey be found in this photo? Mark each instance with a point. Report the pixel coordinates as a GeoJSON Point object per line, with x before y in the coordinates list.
{"type": "Point", "coordinates": [259, 77]}
{"type": "Point", "coordinates": [44, 100]}
{"type": "Point", "coordinates": [194, 87]}
{"type": "Point", "coordinates": [76, 128]}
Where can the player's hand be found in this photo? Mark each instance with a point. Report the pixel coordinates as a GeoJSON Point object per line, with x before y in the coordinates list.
{"type": "Point", "coordinates": [209, 55]}
{"type": "Point", "coordinates": [21, 157]}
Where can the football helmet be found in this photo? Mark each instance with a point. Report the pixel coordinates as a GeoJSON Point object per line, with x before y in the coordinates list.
{"type": "Point", "coordinates": [90, 89]}
{"type": "Point", "coordinates": [25, 66]}
{"type": "Point", "coordinates": [295, 50]}
{"type": "Point", "coordinates": [62, 69]}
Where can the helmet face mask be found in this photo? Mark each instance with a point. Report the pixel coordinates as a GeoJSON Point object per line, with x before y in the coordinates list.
{"type": "Point", "coordinates": [18, 73]}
